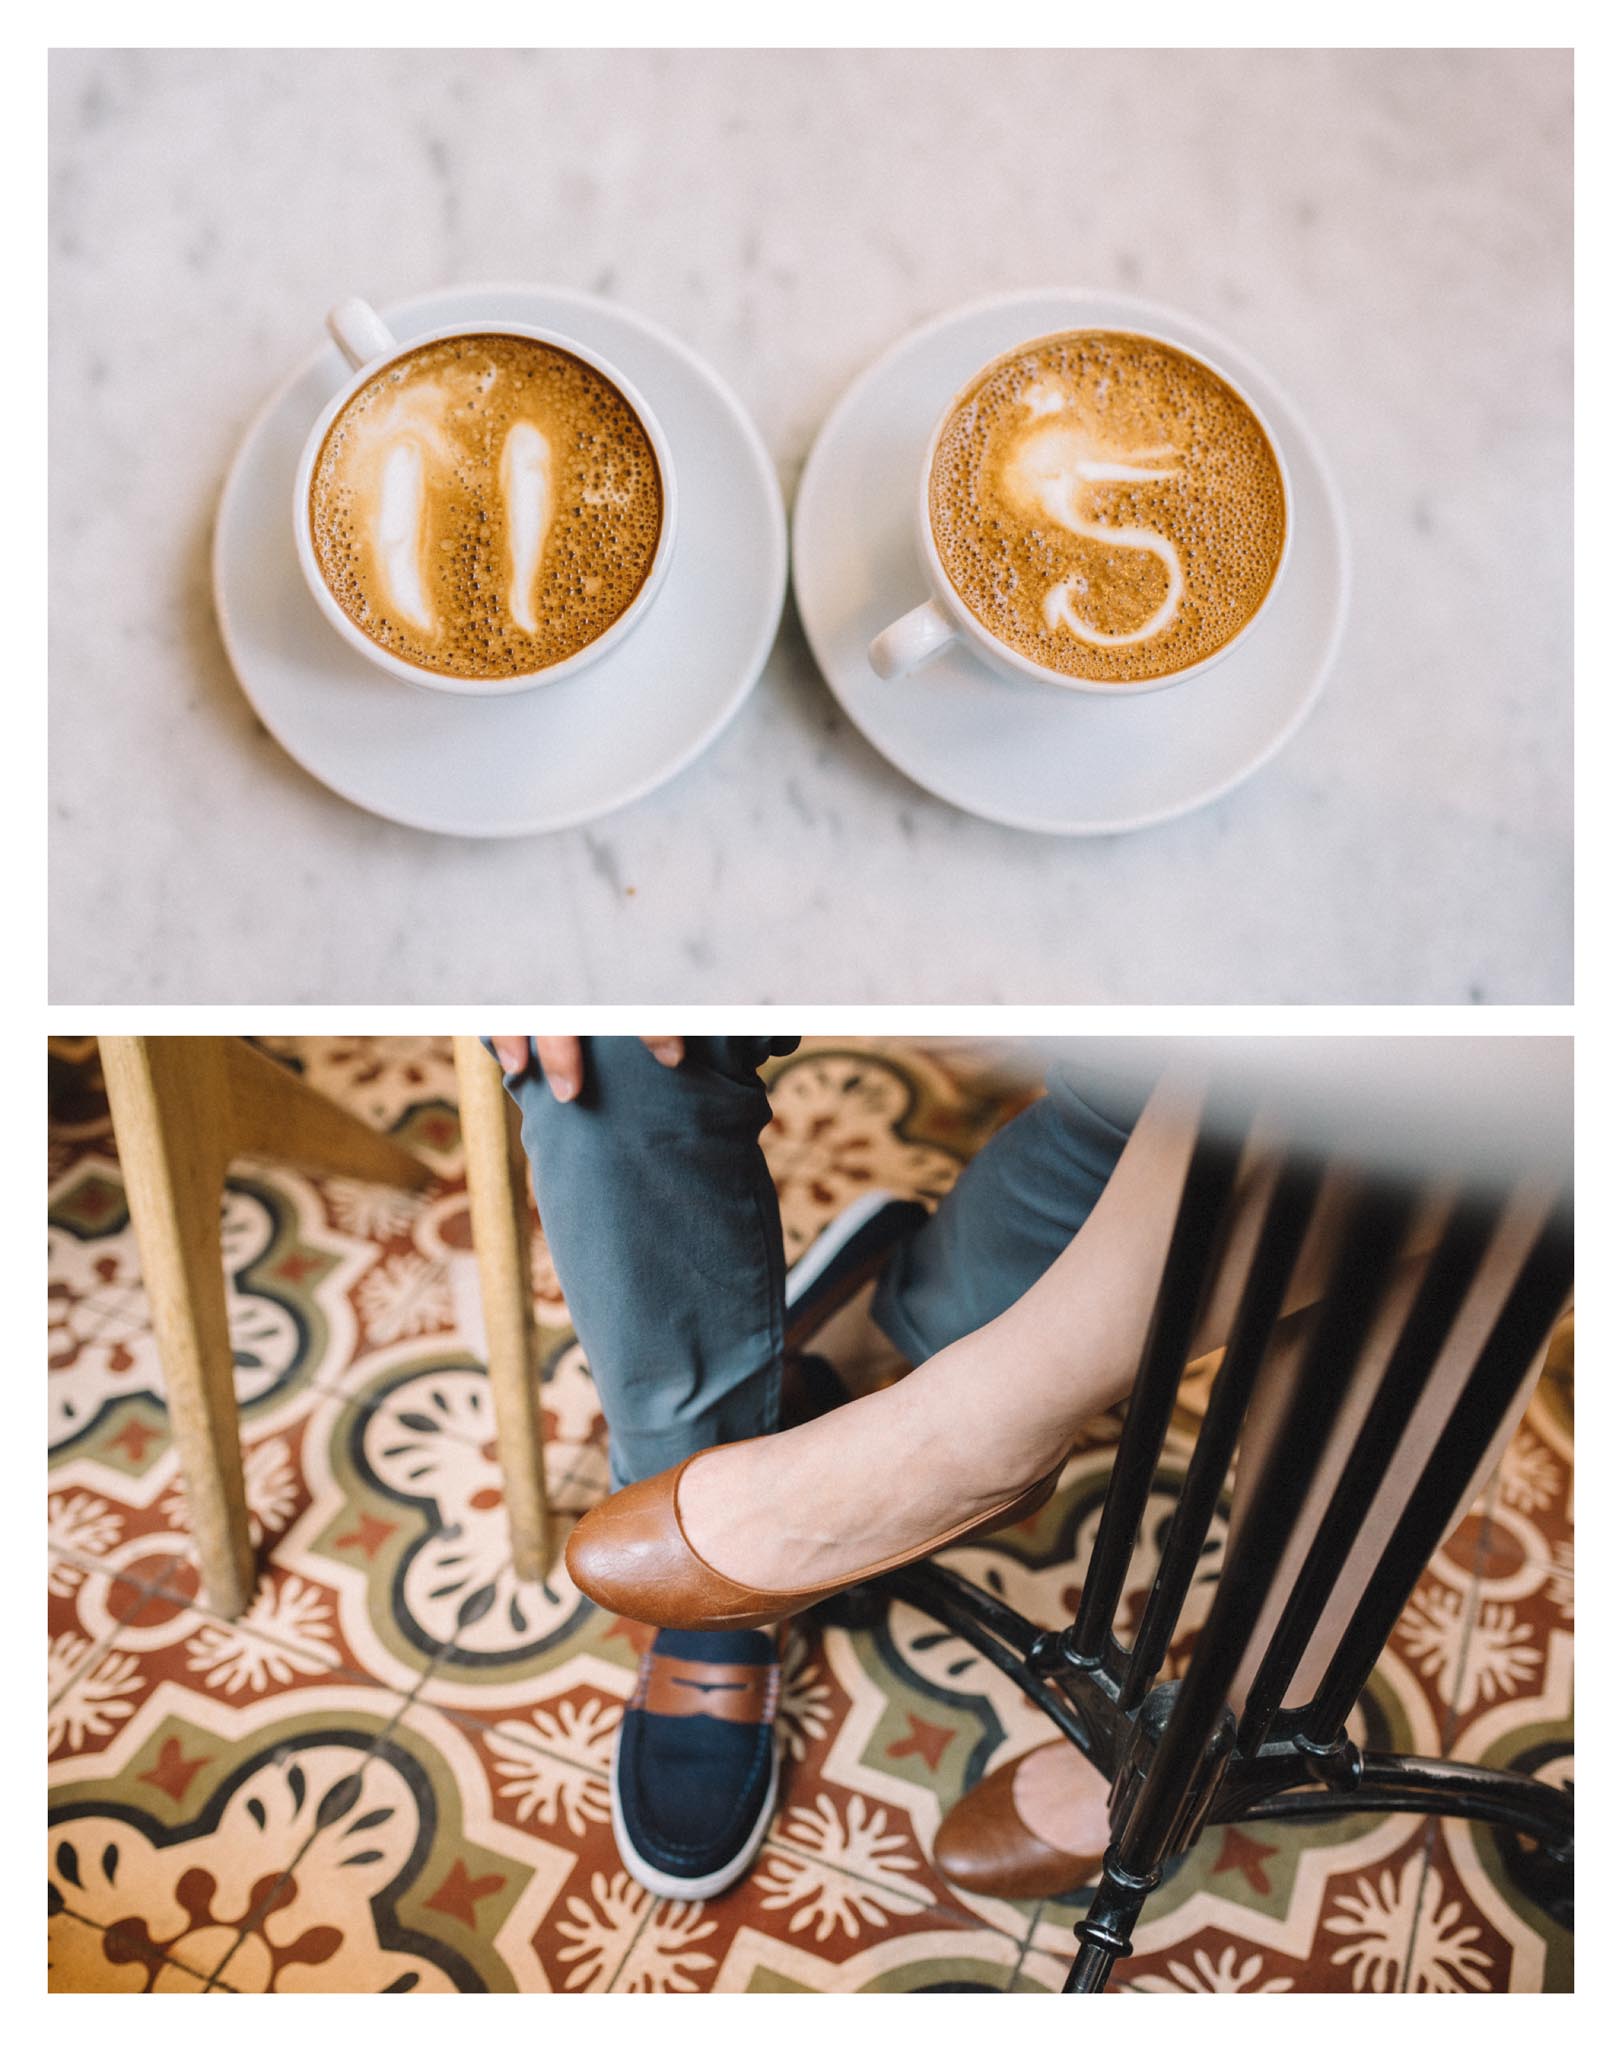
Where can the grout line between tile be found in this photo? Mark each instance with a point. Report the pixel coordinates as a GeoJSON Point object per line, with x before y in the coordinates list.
{"type": "Point", "coordinates": [631, 1946]}
{"type": "Point", "coordinates": [1024, 1947]}
{"type": "Point", "coordinates": [100, 1648]}
{"type": "Point", "coordinates": [948, 1908]}
{"type": "Point", "coordinates": [403, 1702]}
{"type": "Point", "coordinates": [86, 1562]}
{"type": "Point", "coordinates": [1431, 1835]}
{"type": "Point", "coordinates": [336, 1391]}
{"type": "Point", "coordinates": [198, 1606]}
{"type": "Point", "coordinates": [88, 1663]}
{"type": "Point", "coordinates": [158, 1955]}
{"type": "Point", "coordinates": [573, 1472]}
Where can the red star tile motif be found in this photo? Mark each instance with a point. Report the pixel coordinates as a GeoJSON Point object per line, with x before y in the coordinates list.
{"type": "Point", "coordinates": [1241, 1852]}
{"type": "Point", "coordinates": [174, 1770]}
{"type": "Point", "coordinates": [135, 1438]}
{"type": "Point", "coordinates": [460, 1894]}
{"type": "Point", "coordinates": [369, 1535]}
{"type": "Point", "coordinates": [925, 1739]}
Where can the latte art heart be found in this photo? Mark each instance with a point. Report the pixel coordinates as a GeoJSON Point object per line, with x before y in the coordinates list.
{"type": "Point", "coordinates": [1107, 506]}
{"type": "Point", "coordinates": [486, 506]}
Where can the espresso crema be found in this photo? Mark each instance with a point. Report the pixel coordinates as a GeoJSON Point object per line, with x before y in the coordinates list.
{"type": "Point", "coordinates": [486, 506]}
{"type": "Point", "coordinates": [1107, 506]}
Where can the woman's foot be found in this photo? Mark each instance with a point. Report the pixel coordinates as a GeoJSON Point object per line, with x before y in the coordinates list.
{"type": "Point", "coordinates": [632, 1555]}
{"type": "Point", "coordinates": [752, 1532]}
{"type": "Point", "coordinates": [837, 1497]}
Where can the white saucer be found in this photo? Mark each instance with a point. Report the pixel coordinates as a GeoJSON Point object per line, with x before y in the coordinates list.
{"type": "Point", "coordinates": [1025, 753]}
{"type": "Point", "coordinates": [551, 757]}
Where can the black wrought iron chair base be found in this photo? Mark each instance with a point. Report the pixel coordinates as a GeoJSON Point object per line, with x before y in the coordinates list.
{"type": "Point", "coordinates": [1176, 1755]}
{"type": "Point", "coordinates": [1286, 1777]}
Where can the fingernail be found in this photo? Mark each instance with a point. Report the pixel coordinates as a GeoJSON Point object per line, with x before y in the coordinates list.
{"type": "Point", "coordinates": [668, 1055]}
{"type": "Point", "coordinates": [509, 1061]}
{"type": "Point", "coordinates": [565, 1087]}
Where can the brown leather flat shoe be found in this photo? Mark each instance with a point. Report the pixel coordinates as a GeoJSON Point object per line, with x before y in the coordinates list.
{"type": "Point", "coordinates": [984, 1846]}
{"type": "Point", "coordinates": [631, 1555]}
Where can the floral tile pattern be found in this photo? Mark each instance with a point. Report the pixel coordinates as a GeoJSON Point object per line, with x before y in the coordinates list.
{"type": "Point", "coordinates": [392, 1773]}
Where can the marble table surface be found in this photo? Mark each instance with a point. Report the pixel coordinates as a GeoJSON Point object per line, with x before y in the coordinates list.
{"type": "Point", "coordinates": [1389, 232]}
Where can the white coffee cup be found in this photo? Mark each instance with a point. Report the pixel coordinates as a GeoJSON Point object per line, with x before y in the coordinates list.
{"type": "Point", "coordinates": [369, 347]}
{"type": "Point", "coordinates": [944, 618]}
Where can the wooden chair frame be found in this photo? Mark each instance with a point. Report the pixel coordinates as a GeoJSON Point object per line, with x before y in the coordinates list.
{"type": "Point", "coordinates": [183, 1109]}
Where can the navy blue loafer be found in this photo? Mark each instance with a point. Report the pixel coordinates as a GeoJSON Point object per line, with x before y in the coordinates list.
{"type": "Point", "coordinates": [853, 1249]}
{"type": "Point", "coordinates": [695, 1762]}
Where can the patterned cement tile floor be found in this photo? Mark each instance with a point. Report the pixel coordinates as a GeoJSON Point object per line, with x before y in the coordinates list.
{"type": "Point", "coordinates": [392, 1773]}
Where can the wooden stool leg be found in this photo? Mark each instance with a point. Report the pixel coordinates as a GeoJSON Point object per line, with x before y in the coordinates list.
{"type": "Point", "coordinates": [276, 1115]}
{"type": "Point", "coordinates": [171, 1118]}
{"type": "Point", "coordinates": [500, 1213]}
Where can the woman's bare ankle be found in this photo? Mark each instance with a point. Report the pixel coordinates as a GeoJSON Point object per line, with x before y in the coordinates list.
{"type": "Point", "coordinates": [857, 1349]}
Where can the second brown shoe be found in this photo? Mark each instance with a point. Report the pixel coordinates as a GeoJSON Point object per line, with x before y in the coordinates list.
{"type": "Point", "coordinates": [984, 1846]}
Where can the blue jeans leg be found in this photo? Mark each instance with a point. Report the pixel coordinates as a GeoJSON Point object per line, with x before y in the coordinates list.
{"type": "Point", "coordinates": [663, 1224]}
{"type": "Point", "coordinates": [1012, 1210]}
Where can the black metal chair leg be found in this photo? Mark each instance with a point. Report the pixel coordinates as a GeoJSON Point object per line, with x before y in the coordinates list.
{"type": "Point", "coordinates": [1548, 1880]}
{"type": "Point", "coordinates": [1104, 1937]}
{"type": "Point", "coordinates": [859, 1607]}
{"type": "Point", "coordinates": [1418, 1784]}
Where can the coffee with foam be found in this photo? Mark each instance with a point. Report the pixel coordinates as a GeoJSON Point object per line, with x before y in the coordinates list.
{"type": "Point", "coordinates": [486, 506]}
{"type": "Point", "coordinates": [1107, 506]}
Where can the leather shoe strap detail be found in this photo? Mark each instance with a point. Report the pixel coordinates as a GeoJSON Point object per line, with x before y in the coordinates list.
{"type": "Point", "coordinates": [745, 1693]}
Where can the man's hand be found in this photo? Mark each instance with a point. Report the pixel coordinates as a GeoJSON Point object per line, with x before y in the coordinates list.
{"type": "Point", "coordinates": [561, 1061]}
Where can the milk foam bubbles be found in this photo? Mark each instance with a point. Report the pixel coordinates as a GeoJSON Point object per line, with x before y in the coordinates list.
{"type": "Point", "coordinates": [486, 506]}
{"type": "Point", "coordinates": [1107, 506]}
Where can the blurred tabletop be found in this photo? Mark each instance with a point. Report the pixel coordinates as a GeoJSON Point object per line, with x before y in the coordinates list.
{"type": "Point", "coordinates": [1389, 233]}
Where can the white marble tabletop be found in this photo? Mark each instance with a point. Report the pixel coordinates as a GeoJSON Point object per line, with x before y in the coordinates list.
{"type": "Point", "coordinates": [1389, 232]}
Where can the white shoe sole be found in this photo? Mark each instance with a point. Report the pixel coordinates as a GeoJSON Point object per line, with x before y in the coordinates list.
{"type": "Point", "coordinates": [812, 1264]}
{"type": "Point", "coordinates": [660, 1882]}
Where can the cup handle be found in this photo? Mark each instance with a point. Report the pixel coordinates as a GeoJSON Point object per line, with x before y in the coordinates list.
{"type": "Point", "coordinates": [924, 631]}
{"type": "Point", "coordinates": [359, 333]}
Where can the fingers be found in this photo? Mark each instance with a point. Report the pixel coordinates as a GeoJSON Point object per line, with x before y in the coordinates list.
{"type": "Point", "coordinates": [561, 1063]}
{"type": "Point", "coordinates": [561, 1060]}
{"type": "Point", "coordinates": [513, 1054]}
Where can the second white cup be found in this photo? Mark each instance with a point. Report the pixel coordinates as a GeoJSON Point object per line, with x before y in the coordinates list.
{"type": "Point", "coordinates": [943, 618]}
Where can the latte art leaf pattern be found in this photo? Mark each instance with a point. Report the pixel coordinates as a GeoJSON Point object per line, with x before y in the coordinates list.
{"type": "Point", "coordinates": [1107, 506]}
{"type": "Point", "coordinates": [486, 506]}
